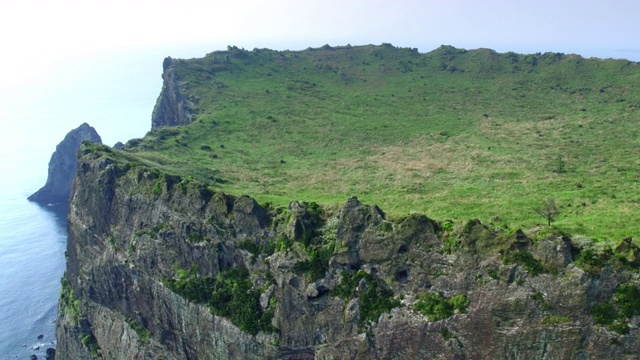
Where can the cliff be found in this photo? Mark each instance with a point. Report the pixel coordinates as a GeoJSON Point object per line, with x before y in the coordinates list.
{"type": "Point", "coordinates": [62, 166]}
{"type": "Point", "coordinates": [163, 267]}
{"type": "Point", "coordinates": [172, 107]}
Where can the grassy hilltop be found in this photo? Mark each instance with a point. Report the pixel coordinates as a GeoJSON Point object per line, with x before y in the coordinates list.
{"type": "Point", "coordinates": [455, 134]}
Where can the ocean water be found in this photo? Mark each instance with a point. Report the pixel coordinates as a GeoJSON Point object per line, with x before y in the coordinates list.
{"type": "Point", "coordinates": [32, 246]}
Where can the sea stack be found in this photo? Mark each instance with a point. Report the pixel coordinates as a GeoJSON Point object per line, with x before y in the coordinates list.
{"type": "Point", "coordinates": [63, 165]}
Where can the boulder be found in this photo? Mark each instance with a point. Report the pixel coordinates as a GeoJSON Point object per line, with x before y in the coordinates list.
{"type": "Point", "coordinates": [51, 354]}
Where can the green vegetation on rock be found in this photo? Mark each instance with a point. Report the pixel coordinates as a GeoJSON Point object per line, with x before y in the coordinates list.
{"type": "Point", "coordinates": [230, 294]}
{"type": "Point", "coordinates": [526, 260]}
{"type": "Point", "coordinates": [437, 307]}
{"type": "Point", "coordinates": [69, 304]}
{"type": "Point", "coordinates": [143, 333]}
{"type": "Point", "coordinates": [375, 298]}
{"type": "Point", "coordinates": [89, 341]}
{"type": "Point", "coordinates": [616, 312]}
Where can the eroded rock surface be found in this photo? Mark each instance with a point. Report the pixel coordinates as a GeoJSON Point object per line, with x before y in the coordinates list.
{"type": "Point", "coordinates": [134, 232]}
{"type": "Point", "coordinates": [172, 107]}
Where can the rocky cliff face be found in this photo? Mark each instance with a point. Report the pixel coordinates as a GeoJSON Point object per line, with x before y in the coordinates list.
{"type": "Point", "coordinates": [62, 166]}
{"type": "Point", "coordinates": [172, 107]}
{"type": "Point", "coordinates": [161, 267]}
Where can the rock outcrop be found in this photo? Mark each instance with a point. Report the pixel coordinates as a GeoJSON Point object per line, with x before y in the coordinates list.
{"type": "Point", "coordinates": [62, 166]}
{"type": "Point", "coordinates": [154, 260]}
{"type": "Point", "coordinates": [172, 107]}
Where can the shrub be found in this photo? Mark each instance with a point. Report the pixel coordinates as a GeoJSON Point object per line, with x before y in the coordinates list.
{"type": "Point", "coordinates": [526, 260]}
{"type": "Point", "coordinates": [437, 307]}
{"type": "Point", "coordinates": [317, 264]}
{"type": "Point", "coordinates": [375, 298]}
{"type": "Point", "coordinates": [551, 320]}
{"type": "Point", "coordinates": [143, 333]}
{"type": "Point", "coordinates": [493, 274]}
{"type": "Point", "coordinates": [615, 312]}
{"type": "Point", "coordinates": [230, 294]}
{"type": "Point", "coordinates": [69, 304]}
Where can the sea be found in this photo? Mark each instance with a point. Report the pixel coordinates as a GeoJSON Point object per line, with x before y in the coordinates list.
{"type": "Point", "coordinates": [112, 91]}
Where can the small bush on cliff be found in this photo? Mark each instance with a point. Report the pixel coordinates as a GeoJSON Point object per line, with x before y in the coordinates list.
{"type": "Point", "coordinates": [230, 294]}
{"type": "Point", "coordinates": [320, 251]}
{"type": "Point", "coordinates": [437, 307]}
{"type": "Point", "coordinates": [615, 312]}
{"type": "Point", "coordinates": [526, 260]}
{"type": "Point", "coordinates": [593, 258]}
{"type": "Point", "coordinates": [89, 341]}
{"type": "Point", "coordinates": [317, 264]}
{"type": "Point", "coordinates": [553, 320]}
{"type": "Point", "coordinates": [375, 298]}
{"type": "Point", "coordinates": [143, 333]}
{"type": "Point", "coordinates": [69, 305]}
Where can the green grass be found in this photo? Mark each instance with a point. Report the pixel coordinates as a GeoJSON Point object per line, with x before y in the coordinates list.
{"type": "Point", "coordinates": [454, 134]}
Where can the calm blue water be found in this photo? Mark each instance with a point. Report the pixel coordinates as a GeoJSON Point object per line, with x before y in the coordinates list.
{"type": "Point", "coordinates": [32, 245]}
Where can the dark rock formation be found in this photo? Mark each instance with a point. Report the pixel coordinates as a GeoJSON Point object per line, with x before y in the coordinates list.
{"type": "Point", "coordinates": [62, 166]}
{"type": "Point", "coordinates": [132, 231]}
{"type": "Point", "coordinates": [172, 107]}
{"type": "Point", "coordinates": [51, 354]}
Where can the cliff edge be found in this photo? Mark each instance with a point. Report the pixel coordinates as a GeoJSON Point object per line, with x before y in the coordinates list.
{"type": "Point", "coordinates": [62, 166]}
{"type": "Point", "coordinates": [172, 107]}
{"type": "Point", "coordinates": [162, 267]}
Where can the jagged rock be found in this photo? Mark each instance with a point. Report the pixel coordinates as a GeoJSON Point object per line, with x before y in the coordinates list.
{"type": "Point", "coordinates": [172, 107]}
{"type": "Point", "coordinates": [629, 251]}
{"type": "Point", "coordinates": [248, 216]}
{"type": "Point", "coordinates": [553, 252]}
{"type": "Point", "coordinates": [520, 241]}
{"type": "Point", "coordinates": [353, 221]}
{"type": "Point", "coordinates": [62, 166]}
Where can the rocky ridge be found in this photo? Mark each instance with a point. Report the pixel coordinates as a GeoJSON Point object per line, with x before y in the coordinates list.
{"type": "Point", "coordinates": [62, 166]}
{"type": "Point", "coordinates": [150, 256]}
{"type": "Point", "coordinates": [172, 107]}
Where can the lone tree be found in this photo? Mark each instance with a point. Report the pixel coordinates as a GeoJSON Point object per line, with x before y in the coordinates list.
{"type": "Point", "coordinates": [548, 210]}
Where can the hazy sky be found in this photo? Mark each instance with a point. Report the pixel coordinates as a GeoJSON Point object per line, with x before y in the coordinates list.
{"type": "Point", "coordinates": [36, 34]}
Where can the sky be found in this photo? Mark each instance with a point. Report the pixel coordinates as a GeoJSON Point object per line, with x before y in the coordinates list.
{"type": "Point", "coordinates": [37, 34]}
{"type": "Point", "coordinates": [61, 52]}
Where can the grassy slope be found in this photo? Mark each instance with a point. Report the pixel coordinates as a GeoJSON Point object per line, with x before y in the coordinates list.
{"type": "Point", "coordinates": [451, 133]}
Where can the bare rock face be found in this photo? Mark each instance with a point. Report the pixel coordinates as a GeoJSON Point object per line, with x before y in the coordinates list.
{"type": "Point", "coordinates": [351, 284]}
{"type": "Point", "coordinates": [62, 166]}
{"type": "Point", "coordinates": [172, 107]}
